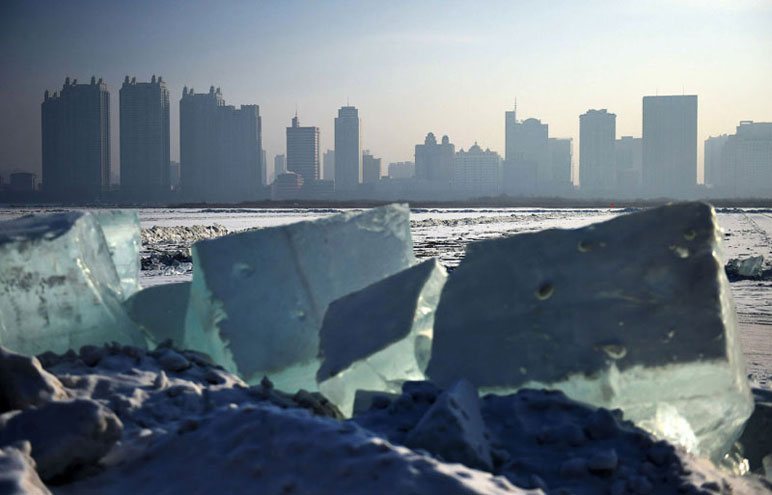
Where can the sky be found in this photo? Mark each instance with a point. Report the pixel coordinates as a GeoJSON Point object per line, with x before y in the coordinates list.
{"type": "Point", "coordinates": [448, 67]}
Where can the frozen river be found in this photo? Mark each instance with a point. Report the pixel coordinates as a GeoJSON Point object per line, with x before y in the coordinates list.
{"type": "Point", "coordinates": [444, 233]}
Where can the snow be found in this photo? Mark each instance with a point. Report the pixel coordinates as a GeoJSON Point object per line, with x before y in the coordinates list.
{"type": "Point", "coordinates": [59, 288]}
{"type": "Point", "coordinates": [634, 313]}
{"type": "Point", "coordinates": [380, 336]}
{"type": "Point", "coordinates": [293, 272]}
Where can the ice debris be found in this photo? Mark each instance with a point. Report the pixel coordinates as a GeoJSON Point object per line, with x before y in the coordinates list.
{"type": "Point", "coordinates": [540, 439]}
{"type": "Point", "coordinates": [380, 336]}
{"type": "Point", "coordinates": [123, 235]}
{"type": "Point", "coordinates": [745, 268]}
{"type": "Point", "coordinates": [634, 313]}
{"type": "Point", "coordinates": [258, 298]}
{"type": "Point", "coordinates": [59, 288]}
{"type": "Point", "coordinates": [159, 311]}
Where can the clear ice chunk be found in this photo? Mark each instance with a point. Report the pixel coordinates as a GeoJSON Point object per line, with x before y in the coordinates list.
{"type": "Point", "coordinates": [159, 312]}
{"type": "Point", "coordinates": [257, 298]}
{"type": "Point", "coordinates": [124, 240]}
{"type": "Point", "coordinates": [634, 313]}
{"type": "Point", "coordinates": [59, 289]}
{"type": "Point", "coordinates": [376, 338]}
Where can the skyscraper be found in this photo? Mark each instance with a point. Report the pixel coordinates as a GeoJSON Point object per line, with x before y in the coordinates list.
{"type": "Point", "coordinates": [75, 125]}
{"type": "Point", "coordinates": [303, 151]}
{"type": "Point", "coordinates": [561, 154]}
{"type": "Point", "coordinates": [627, 151]}
{"type": "Point", "coordinates": [747, 161]}
{"type": "Point", "coordinates": [477, 173]}
{"type": "Point", "coordinates": [279, 165]}
{"type": "Point", "coordinates": [220, 148]}
{"type": "Point", "coordinates": [348, 164]}
{"type": "Point", "coordinates": [527, 168]}
{"type": "Point", "coordinates": [714, 147]}
{"type": "Point", "coordinates": [434, 162]}
{"type": "Point", "coordinates": [597, 160]}
{"type": "Point", "coordinates": [145, 142]}
{"type": "Point", "coordinates": [670, 145]}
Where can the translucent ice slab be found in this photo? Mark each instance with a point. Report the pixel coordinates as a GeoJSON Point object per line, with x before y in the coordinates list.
{"type": "Point", "coordinates": [634, 313]}
{"type": "Point", "coordinates": [159, 311]}
{"type": "Point", "coordinates": [124, 240]}
{"type": "Point", "coordinates": [258, 298]}
{"type": "Point", "coordinates": [380, 336]}
{"type": "Point", "coordinates": [58, 286]}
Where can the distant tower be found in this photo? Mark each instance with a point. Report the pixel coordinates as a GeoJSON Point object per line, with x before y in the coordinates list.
{"type": "Point", "coordinates": [597, 159]}
{"type": "Point", "coordinates": [76, 141]}
{"type": "Point", "coordinates": [348, 160]}
{"type": "Point", "coordinates": [371, 168]}
{"type": "Point", "coordinates": [434, 162]}
{"type": "Point", "coordinates": [303, 151]}
{"type": "Point", "coordinates": [670, 145]}
{"type": "Point", "coordinates": [328, 165]}
{"type": "Point", "coordinates": [144, 114]}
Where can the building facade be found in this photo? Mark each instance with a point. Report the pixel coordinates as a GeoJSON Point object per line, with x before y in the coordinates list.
{"type": "Point", "coordinates": [561, 158]}
{"type": "Point", "coordinates": [303, 151]}
{"type": "Point", "coordinates": [75, 131]}
{"type": "Point", "coordinates": [669, 145]}
{"type": "Point", "coordinates": [746, 168]}
{"type": "Point", "coordinates": [597, 158]}
{"type": "Point", "coordinates": [627, 159]}
{"type": "Point", "coordinates": [434, 162]}
{"type": "Point", "coordinates": [145, 141]}
{"type": "Point", "coordinates": [371, 168]}
{"type": "Point", "coordinates": [401, 170]}
{"type": "Point", "coordinates": [220, 148]}
{"type": "Point", "coordinates": [477, 173]}
{"type": "Point", "coordinates": [714, 147]}
{"type": "Point", "coordinates": [527, 168]}
{"type": "Point", "coordinates": [348, 149]}
{"type": "Point", "coordinates": [328, 165]}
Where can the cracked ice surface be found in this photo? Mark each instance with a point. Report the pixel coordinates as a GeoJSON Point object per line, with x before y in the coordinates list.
{"type": "Point", "coordinates": [380, 336]}
{"type": "Point", "coordinates": [59, 289]}
{"type": "Point", "coordinates": [258, 298]}
{"type": "Point", "coordinates": [634, 313]}
{"type": "Point", "coordinates": [124, 240]}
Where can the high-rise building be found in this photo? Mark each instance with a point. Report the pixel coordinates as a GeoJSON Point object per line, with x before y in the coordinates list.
{"type": "Point", "coordinates": [328, 165]}
{"type": "Point", "coordinates": [279, 166]}
{"type": "Point", "coordinates": [477, 173]}
{"type": "Point", "coordinates": [220, 148]}
{"type": "Point", "coordinates": [303, 151]}
{"type": "Point", "coordinates": [747, 161]}
{"type": "Point", "coordinates": [348, 147]}
{"type": "Point", "coordinates": [627, 158]}
{"type": "Point", "coordinates": [145, 144]}
{"type": "Point", "coordinates": [174, 175]}
{"type": "Point", "coordinates": [714, 147]}
{"type": "Point", "coordinates": [76, 140]}
{"type": "Point", "coordinates": [265, 179]}
{"type": "Point", "coordinates": [527, 168]}
{"type": "Point", "coordinates": [670, 145]}
{"type": "Point", "coordinates": [597, 159]}
{"type": "Point", "coordinates": [434, 162]}
{"type": "Point", "coordinates": [561, 154]}
{"type": "Point", "coordinates": [371, 168]}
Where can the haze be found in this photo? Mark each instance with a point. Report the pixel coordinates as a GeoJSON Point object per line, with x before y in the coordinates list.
{"type": "Point", "coordinates": [410, 67]}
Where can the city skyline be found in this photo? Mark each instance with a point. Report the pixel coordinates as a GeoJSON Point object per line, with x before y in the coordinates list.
{"type": "Point", "coordinates": [454, 78]}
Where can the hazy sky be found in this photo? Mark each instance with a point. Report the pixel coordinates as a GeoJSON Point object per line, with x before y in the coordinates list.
{"type": "Point", "coordinates": [410, 67]}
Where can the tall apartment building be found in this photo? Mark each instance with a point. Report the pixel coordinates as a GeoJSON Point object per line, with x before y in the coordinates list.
{"type": "Point", "coordinates": [527, 168]}
{"type": "Point", "coordinates": [561, 156]}
{"type": "Point", "coordinates": [627, 158]}
{"type": "Point", "coordinates": [434, 162]}
{"type": "Point", "coordinates": [746, 169]}
{"type": "Point", "coordinates": [670, 145]}
{"type": "Point", "coordinates": [145, 142]}
{"type": "Point", "coordinates": [328, 165]}
{"type": "Point", "coordinates": [75, 125]}
{"type": "Point", "coordinates": [477, 173]}
{"type": "Point", "coordinates": [220, 148]}
{"type": "Point", "coordinates": [714, 147]}
{"type": "Point", "coordinates": [348, 149]}
{"type": "Point", "coordinates": [303, 151]}
{"type": "Point", "coordinates": [279, 166]}
{"type": "Point", "coordinates": [371, 168]}
{"type": "Point", "coordinates": [597, 158]}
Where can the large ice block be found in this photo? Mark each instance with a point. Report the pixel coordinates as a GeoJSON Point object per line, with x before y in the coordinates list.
{"type": "Point", "coordinates": [380, 336]}
{"type": "Point", "coordinates": [634, 313]}
{"type": "Point", "coordinates": [159, 311]}
{"type": "Point", "coordinates": [59, 289]}
{"type": "Point", "coordinates": [258, 298]}
{"type": "Point", "coordinates": [124, 240]}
